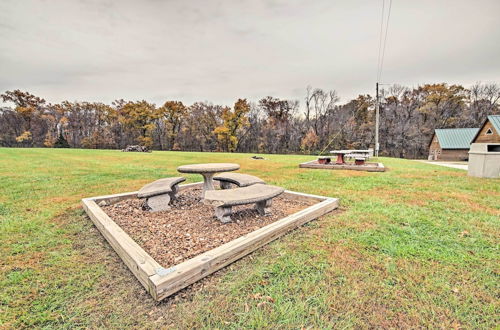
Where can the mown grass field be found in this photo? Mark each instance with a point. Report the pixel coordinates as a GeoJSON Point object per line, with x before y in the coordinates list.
{"type": "Point", "coordinates": [417, 246]}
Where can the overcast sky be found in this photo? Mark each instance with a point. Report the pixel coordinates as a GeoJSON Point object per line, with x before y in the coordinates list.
{"type": "Point", "coordinates": [223, 50]}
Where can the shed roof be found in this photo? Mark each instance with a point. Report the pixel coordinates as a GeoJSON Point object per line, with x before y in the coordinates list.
{"type": "Point", "coordinates": [456, 138]}
{"type": "Point", "coordinates": [495, 121]}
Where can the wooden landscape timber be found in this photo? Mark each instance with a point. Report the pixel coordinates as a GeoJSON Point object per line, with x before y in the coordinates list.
{"type": "Point", "coordinates": [162, 282]}
{"type": "Point", "coordinates": [368, 167]}
{"type": "Point", "coordinates": [140, 263]}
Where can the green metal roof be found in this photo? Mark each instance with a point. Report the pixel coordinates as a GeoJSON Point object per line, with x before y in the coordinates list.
{"type": "Point", "coordinates": [495, 120]}
{"type": "Point", "coordinates": [456, 138]}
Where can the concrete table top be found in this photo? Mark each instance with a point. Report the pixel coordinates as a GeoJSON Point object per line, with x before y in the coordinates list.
{"type": "Point", "coordinates": [208, 170]}
{"type": "Point", "coordinates": [354, 151]}
{"type": "Point", "coordinates": [208, 167]}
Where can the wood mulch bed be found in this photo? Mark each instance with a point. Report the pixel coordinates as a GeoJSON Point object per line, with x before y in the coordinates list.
{"type": "Point", "coordinates": [190, 227]}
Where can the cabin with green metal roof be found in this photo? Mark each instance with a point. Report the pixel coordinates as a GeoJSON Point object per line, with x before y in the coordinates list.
{"type": "Point", "coordinates": [489, 131]}
{"type": "Point", "coordinates": [451, 144]}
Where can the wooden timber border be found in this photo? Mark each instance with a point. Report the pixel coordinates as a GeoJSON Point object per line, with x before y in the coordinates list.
{"type": "Point", "coordinates": [368, 167]}
{"type": "Point", "coordinates": [162, 282]}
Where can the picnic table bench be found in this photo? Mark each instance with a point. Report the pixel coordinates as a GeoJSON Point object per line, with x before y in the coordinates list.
{"type": "Point", "coordinates": [159, 193]}
{"type": "Point", "coordinates": [324, 159]}
{"type": "Point", "coordinates": [259, 194]}
{"type": "Point", "coordinates": [359, 160]}
{"type": "Point", "coordinates": [239, 179]}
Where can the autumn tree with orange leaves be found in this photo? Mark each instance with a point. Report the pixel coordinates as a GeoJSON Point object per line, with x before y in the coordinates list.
{"type": "Point", "coordinates": [233, 121]}
{"type": "Point", "coordinates": [29, 107]}
{"type": "Point", "coordinates": [138, 117]}
{"type": "Point", "coordinates": [172, 113]}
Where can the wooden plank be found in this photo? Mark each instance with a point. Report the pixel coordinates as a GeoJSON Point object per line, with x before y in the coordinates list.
{"type": "Point", "coordinates": [303, 196]}
{"type": "Point", "coordinates": [115, 198]}
{"type": "Point", "coordinates": [200, 266]}
{"type": "Point", "coordinates": [140, 263]}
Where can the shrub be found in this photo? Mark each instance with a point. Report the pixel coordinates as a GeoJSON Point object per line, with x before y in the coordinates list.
{"type": "Point", "coordinates": [61, 142]}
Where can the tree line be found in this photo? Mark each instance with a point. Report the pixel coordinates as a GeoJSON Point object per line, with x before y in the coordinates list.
{"type": "Point", "coordinates": [408, 117]}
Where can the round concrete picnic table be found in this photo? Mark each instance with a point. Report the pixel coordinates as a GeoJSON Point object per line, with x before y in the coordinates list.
{"type": "Point", "coordinates": [208, 171]}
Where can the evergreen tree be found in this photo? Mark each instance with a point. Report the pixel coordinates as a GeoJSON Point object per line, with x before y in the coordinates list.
{"type": "Point", "coordinates": [61, 142]}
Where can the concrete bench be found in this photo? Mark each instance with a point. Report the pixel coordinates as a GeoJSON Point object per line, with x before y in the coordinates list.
{"type": "Point", "coordinates": [159, 193]}
{"type": "Point", "coordinates": [239, 179]}
{"type": "Point", "coordinates": [258, 194]}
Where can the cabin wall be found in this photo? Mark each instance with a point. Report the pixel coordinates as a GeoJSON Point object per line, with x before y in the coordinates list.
{"type": "Point", "coordinates": [482, 137]}
{"type": "Point", "coordinates": [434, 149]}
{"type": "Point", "coordinates": [454, 154]}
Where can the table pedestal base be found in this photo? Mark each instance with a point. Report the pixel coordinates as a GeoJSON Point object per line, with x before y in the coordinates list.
{"type": "Point", "coordinates": [208, 183]}
{"type": "Point", "coordinates": [340, 159]}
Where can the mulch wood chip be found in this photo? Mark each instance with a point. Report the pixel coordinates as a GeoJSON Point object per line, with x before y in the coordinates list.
{"type": "Point", "coordinates": [190, 227]}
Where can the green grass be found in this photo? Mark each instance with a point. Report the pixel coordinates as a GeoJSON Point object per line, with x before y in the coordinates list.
{"type": "Point", "coordinates": [417, 246]}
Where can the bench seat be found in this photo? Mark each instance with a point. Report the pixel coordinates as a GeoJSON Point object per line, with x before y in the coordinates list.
{"type": "Point", "coordinates": [159, 193]}
{"type": "Point", "coordinates": [258, 194]}
{"type": "Point", "coordinates": [324, 159]}
{"type": "Point", "coordinates": [359, 160]}
{"type": "Point", "coordinates": [239, 179]}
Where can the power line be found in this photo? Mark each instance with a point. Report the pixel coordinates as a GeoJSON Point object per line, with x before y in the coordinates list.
{"type": "Point", "coordinates": [380, 64]}
{"type": "Point", "coordinates": [385, 39]}
{"type": "Point", "coordinates": [380, 39]}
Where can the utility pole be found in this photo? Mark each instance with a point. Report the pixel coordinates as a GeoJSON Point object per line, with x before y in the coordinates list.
{"type": "Point", "coordinates": [376, 122]}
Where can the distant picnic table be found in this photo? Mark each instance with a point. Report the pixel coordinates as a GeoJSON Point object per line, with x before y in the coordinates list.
{"type": "Point", "coordinates": [352, 153]}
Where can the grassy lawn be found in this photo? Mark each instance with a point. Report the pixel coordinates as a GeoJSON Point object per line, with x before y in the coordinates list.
{"type": "Point", "coordinates": [417, 246]}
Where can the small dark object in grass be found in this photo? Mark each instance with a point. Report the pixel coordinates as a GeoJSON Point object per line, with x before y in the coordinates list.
{"type": "Point", "coordinates": [136, 148]}
{"type": "Point", "coordinates": [257, 157]}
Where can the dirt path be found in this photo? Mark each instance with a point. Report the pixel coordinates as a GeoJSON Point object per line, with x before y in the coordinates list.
{"type": "Point", "coordinates": [460, 166]}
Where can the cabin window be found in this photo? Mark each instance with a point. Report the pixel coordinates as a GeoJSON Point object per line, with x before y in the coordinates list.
{"type": "Point", "coordinates": [489, 131]}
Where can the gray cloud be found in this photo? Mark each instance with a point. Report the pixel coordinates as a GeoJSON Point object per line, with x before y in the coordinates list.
{"type": "Point", "coordinates": [222, 50]}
